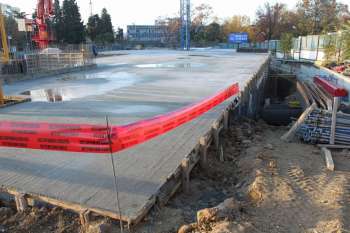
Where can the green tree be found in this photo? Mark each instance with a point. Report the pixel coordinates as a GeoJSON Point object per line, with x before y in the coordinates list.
{"type": "Point", "coordinates": [73, 27]}
{"type": "Point", "coordinates": [346, 42]}
{"type": "Point", "coordinates": [105, 29]}
{"type": "Point", "coordinates": [120, 34]}
{"type": "Point", "coordinates": [320, 16]}
{"type": "Point", "coordinates": [330, 50]}
{"type": "Point", "coordinates": [214, 32]}
{"type": "Point", "coordinates": [92, 26]}
{"type": "Point", "coordinates": [57, 22]}
{"type": "Point", "coordinates": [17, 38]}
{"type": "Point", "coordinates": [270, 20]}
{"type": "Point", "coordinates": [286, 44]}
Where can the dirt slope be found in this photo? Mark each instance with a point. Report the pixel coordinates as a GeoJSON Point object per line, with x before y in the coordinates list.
{"type": "Point", "coordinates": [279, 187]}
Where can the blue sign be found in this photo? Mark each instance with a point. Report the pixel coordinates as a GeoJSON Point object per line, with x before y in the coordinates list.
{"type": "Point", "coordinates": [241, 37]}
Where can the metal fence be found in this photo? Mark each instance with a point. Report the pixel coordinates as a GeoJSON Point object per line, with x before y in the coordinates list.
{"type": "Point", "coordinates": [309, 48]}
{"type": "Point", "coordinates": [49, 60]}
{"type": "Point", "coordinates": [39, 63]}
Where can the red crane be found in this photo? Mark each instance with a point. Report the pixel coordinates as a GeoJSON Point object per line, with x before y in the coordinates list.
{"type": "Point", "coordinates": [44, 11]}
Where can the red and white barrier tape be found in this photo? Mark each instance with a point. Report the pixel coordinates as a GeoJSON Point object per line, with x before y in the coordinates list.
{"type": "Point", "coordinates": [94, 139]}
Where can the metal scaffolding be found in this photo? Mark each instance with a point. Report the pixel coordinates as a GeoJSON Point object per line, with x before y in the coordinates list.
{"type": "Point", "coordinates": [185, 29]}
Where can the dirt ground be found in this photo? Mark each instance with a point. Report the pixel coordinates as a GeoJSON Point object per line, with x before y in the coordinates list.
{"type": "Point", "coordinates": [275, 186]}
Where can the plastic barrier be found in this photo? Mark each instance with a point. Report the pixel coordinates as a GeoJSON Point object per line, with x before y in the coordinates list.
{"type": "Point", "coordinates": [332, 89]}
{"type": "Point", "coordinates": [99, 139]}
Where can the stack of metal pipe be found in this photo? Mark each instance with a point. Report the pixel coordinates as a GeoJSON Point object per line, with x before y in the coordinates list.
{"type": "Point", "coordinates": [317, 128]}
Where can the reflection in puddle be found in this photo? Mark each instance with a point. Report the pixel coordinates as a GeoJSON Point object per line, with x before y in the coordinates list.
{"type": "Point", "coordinates": [49, 95]}
{"type": "Point", "coordinates": [77, 88]}
{"type": "Point", "coordinates": [182, 65]}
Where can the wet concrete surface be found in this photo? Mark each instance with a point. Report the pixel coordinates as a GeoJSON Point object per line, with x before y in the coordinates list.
{"type": "Point", "coordinates": [139, 84]}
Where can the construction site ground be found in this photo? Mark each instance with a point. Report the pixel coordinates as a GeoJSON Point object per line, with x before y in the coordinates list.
{"type": "Point", "coordinates": [275, 187]}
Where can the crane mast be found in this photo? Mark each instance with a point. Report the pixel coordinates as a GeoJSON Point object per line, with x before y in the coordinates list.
{"type": "Point", "coordinates": [44, 12]}
{"type": "Point", "coordinates": [185, 29]}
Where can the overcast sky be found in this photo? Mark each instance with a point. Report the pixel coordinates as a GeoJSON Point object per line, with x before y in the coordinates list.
{"type": "Point", "coordinates": [127, 12]}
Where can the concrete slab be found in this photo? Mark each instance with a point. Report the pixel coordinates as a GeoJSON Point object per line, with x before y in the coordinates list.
{"type": "Point", "coordinates": [126, 88]}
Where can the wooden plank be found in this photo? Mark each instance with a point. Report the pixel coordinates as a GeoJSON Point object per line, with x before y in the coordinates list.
{"type": "Point", "coordinates": [290, 134]}
{"type": "Point", "coordinates": [21, 202]}
{"type": "Point", "coordinates": [328, 158]}
{"type": "Point", "coordinates": [302, 92]}
{"type": "Point", "coordinates": [334, 146]}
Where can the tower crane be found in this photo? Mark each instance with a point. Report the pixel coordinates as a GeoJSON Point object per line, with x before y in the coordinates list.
{"type": "Point", "coordinates": [4, 55]}
{"type": "Point", "coordinates": [185, 28]}
{"type": "Point", "coordinates": [44, 12]}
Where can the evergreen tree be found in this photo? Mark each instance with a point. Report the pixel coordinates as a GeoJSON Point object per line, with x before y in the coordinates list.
{"type": "Point", "coordinates": [73, 27]}
{"type": "Point", "coordinates": [57, 21]}
{"type": "Point", "coordinates": [92, 26]}
{"type": "Point", "coordinates": [105, 28]}
{"type": "Point", "coordinates": [105, 22]}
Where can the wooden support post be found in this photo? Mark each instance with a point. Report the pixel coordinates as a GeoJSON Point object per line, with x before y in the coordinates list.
{"type": "Point", "coordinates": [203, 147]}
{"type": "Point", "coordinates": [2, 98]}
{"type": "Point", "coordinates": [84, 217]}
{"type": "Point", "coordinates": [218, 145]}
{"type": "Point", "coordinates": [287, 137]}
{"type": "Point", "coordinates": [328, 158]}
{"type": "Point", "coordinates": [226, 119]}
{"type": "Point", "coordinates": [21, 202]}
{"type": "Point", "coordinates": [336, 101]}
{"type": "Point", "coordinates": [186, 175]}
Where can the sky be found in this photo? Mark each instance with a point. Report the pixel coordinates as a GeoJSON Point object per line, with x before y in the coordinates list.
{"type": "Point", "coordinates": [145, 12]}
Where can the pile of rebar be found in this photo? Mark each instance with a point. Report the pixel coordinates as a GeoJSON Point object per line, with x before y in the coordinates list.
{"type": "Point", "coordinates": [317, 128]}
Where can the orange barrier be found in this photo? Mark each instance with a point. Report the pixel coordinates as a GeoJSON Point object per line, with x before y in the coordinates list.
{"type": "Point", "coordinates": [99, 139]}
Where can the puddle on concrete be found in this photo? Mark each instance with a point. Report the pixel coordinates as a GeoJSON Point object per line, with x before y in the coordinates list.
{"type": "Point", "coordinates": [73, 87]}
{"type": "Point", "coordinates": [180, 65]}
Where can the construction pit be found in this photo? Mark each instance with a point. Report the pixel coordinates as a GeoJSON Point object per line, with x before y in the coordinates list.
{"type": "Point", "coordinates": [249, 181]}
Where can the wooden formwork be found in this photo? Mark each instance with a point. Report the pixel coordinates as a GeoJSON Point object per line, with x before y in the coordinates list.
{"type": "Point", "coordinates": [179, 179]}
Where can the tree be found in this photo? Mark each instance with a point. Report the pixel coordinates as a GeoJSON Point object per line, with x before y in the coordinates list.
{"type": "Point", "coordinates": [120, 34]}
{"type": "Point", "coordinates": [172, 29]}
{"type": "Point", "coordinates": [214, 32]}
{"type": "Point", "coordinates": [286, 44]}
{"type": "Point", "coordinates": [17, 38]}
{"type": "Point", "coordinates": [270, 20]}
{"type": "Point", "coordinates": [201, 15]}
{"type": "Point", "coordinates": [57, 22]}
{"type": "Point", "coordinates": [237, 23]}
{"type": "Point", "coordinates": [330, 50]}
{"type": "Point", "coordinates": [92, 29]}
{"type": "Point", "coordinates": [73, 27]}
{"type": "Point", "coordinates": [346, 42]}
{"type": "Point", "coordinates": [320, 16]}
{"type": "Point", "coordinates": [105, 28]}
{"type": "Point", "coordinates": [105, 22]}
{"type": "Point", "coordinates": [200, 18]}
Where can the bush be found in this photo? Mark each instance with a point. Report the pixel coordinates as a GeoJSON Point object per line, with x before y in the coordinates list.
{"type": "Point", "coordinates": [330, 51]}
{"type": "Point", "coordinates": [286, 44]}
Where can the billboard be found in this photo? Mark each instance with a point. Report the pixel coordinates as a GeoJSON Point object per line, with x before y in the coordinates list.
{"type": "Point", "coordinates": [240, 37]}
